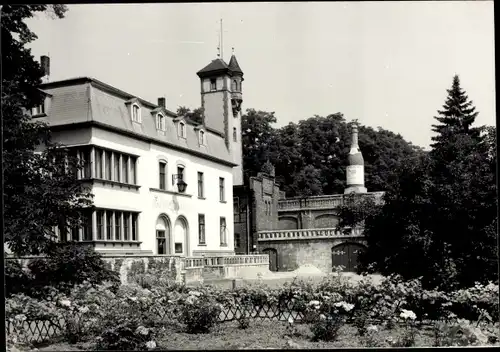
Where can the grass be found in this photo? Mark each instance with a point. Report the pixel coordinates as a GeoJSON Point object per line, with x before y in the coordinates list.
{"type": "Point", "coordinates": [259, 335]}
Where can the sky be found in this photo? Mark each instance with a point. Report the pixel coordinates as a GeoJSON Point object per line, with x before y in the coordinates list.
{"type": "Point", "coordinates": [385, 64]}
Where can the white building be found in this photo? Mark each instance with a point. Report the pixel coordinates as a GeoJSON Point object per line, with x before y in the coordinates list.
{"type": "Point", "coordinates": [161, 184]}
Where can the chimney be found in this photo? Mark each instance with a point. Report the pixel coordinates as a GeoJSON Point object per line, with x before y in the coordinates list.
{"type": "Point", "coordinates": [45, 62]}
{"type": "Point", "coordinates": [162, 102]}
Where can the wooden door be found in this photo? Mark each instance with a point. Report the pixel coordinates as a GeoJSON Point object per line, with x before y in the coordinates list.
{"type": "Point", "coordinates": [346, 254]}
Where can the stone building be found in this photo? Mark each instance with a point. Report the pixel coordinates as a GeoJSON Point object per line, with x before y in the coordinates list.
{"type": "Point", "coordinates": [162, 184]}
{"type": "Point", "coordinates": [299, 231]}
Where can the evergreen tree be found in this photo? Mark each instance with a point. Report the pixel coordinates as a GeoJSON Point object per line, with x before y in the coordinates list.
{"type": "Point", "coordinates": [40, 189]}
{"type": "Point", "coordinates": [457, 116]}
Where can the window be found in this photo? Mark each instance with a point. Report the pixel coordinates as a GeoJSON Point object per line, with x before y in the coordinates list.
{"type": "Point", "coordinates": [107, 161]}
{"type": "Point", "coordinates": [163, 175]}
{"type": "Point", "coordinates": [200, 184]}
{"type": "Point", "coordinates": [38, 110]}
{"type": "Point", "coordinates": [236, 209]}
{"type": "Point", "coordinates": [75, 232]}
{"type": "Point", "coordinates": [100, 225]}
{"type": "Point", "coordinates": [234, 86]}
{"type": "Point", "coordinates": [182, 129]}
{"type": "Point", "coordinates": [118, 226]}
{"type": "Point", "coordinates": [136, 113]}
{"type": "Point", "coordinates": [116, 176]}
{"type": "Point", "coordinates": [235, 135]}
{"type": "Point", "coordinates": [221, 189]}
{"type": "Point", "coordinates": [201, 137]}
{"type": "Point", "coordinates": [161, 242]}
{"type": "Point", "coordinates": [237, 240]}
{"type": "Point", "coordinates": [84, 156]}
{"type": "Point", "coordinates": [126, 218]}
{"type": "Point", "coordinates": [132, 178]}
{"type": "Point", "coordinates": [160, 122]}
{"type": "Point", "coordinates": [109, 225]}
{"type": "Point", "coordinates": [201, 228]}
{"type": "Point", "coordinates": [213, 84]}
{"type": "Point", "coordinates": [178, 247]}
{"type": "Point", "coordinates": [98, 163]}
{"type": "Point", "coordinates": [125, 169]}
{"type": "Point", "coordinates": [87, 228]}
{"type": "Point", "coordinates": [134, 227]}
{"type": "Point", "coordinates": [223, 239]}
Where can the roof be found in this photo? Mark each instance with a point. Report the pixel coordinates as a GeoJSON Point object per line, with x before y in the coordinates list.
{"type": "Point", "coordinates": [87, 100]}
{"type": "Point", "coordinates": [216, 66]}
{"type": "Point", "coordinates": [234, 66]}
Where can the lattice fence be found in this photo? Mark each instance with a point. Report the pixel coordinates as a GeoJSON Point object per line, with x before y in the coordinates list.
{"type": "Point", "coordinates": [45, 330]}
{"type": "Point", "coordinates": [35, 331]}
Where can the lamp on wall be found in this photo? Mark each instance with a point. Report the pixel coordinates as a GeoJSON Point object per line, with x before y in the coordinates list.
{"type": "Point", "coordinates": [181, 185]}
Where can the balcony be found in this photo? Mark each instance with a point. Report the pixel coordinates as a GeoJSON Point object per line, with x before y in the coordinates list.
{"type": "Point", "coordinates": [308, 234]}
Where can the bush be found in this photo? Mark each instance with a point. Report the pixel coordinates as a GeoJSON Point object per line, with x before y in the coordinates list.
{"type": "Point", "coordinates": [200, 312]}
{"type": "Point", "coordinates": [68, 265]}
{"type": "Point", "coordinates": [126, 336]}
{"type": "Point", "coordinates": [17, 279]}
{"type": "Point", "coordinates": [327, 329]}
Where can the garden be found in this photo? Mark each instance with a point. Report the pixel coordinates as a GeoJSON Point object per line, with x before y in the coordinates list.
{"type": "Point", "coordinates": [155, 313]}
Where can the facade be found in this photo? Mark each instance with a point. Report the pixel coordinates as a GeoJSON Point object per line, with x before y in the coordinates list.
{"type": "Point", "coordinates": [300, 231]}
{"type": "Point", "coordinates": [161, 184]}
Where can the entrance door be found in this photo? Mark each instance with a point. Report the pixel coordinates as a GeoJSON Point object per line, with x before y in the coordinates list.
{"type": "Point", "coordinates": [273, 258]}
{"type": "Point", "coordinates": [346, 254]}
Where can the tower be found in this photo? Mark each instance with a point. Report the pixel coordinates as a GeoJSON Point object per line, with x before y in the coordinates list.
{"type": "Point", "coordinates": [355, 169]}
{"type": "Point", "coordinates": [221, 98]}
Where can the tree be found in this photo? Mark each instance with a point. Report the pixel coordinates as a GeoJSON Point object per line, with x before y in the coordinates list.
{"type": "Point", "coordinates": [258, 139]}
{"type": "Point", "coordinates": [195, 116]}
{"type": "Point", "coordinates": [457, 116]}
{"type": "Point", "coordinates": [40, 188]}
{"type": "Point", "coordinates": [463, 173]}
{"type": "Point", "coordinates": [442, 211]}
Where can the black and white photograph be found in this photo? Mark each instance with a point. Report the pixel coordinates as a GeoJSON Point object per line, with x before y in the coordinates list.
{"type": "Point", "coordinates": [249, 175]}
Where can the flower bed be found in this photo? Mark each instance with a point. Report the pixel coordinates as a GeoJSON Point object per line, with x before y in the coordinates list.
{"type": "Point", "coordinates": [134, 317]}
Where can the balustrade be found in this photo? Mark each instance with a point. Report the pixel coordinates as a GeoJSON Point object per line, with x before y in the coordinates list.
{"type": "Point", "coordinates": [198, 262]}
{"type": "Point", "coordinates": [308, 234]}
{"type": "Point", "coordinates": [321, 202]}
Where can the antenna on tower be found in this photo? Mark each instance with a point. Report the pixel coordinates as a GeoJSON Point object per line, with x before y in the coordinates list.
{"type": "Point", "coordinates": [221, 41]}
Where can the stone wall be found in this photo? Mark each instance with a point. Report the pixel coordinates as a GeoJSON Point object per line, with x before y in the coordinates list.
{"type": "Point", "coordinates": [294, 253]}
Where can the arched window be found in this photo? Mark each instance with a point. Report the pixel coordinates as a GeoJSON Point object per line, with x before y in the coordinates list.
{"type": "Point", "coordinates": [163, 245]}
{"type": "Point", "coordinates": [182, 130]}
{"type": "Point", "coordinates": [136, 113]}
{"type": "Point", "coordinates": [234, 86]}
{"type": "Point", "coordinates": [160, 122]}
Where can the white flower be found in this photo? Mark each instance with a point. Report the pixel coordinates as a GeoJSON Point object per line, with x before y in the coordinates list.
{"type": "Point", "coordinates": [407, 314]}
{"type": "Point", "coordinates": [21, 317]}
{"type": "Point", "coordinates": [83, 309]}
{"type": "Point", "coordinates": [195, 293]}
{"type": "Point", "coordinates": [314, 303]}
{"type": "Point", "coordinates": [65, 303]}
{"type": "Point", "coordinates": [134, 299]}
{"type": "Point", "coordinates": [190, 299]}
{"type": "Point", "coordinates": [322, 317]}
{"type": "Point", "coordinates": [150, 344]}
{"type": "Point", "coordinates": [372, 328]}
{"type": "Point", "coordinates": [142, 330]}
{"type": "Point", "coordinates": [169, 301]}
{"type": "Point", "coordinates": [290, 320]}
{"type": "Point", "coordinates": [348, 306]}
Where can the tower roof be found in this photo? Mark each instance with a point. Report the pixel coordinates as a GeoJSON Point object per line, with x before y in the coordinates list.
{"type": "Point", "coordinates": [216, 66]}
{"type": "Point", "coordinates": [234, 66]}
